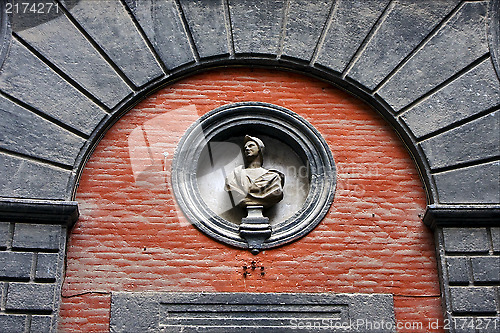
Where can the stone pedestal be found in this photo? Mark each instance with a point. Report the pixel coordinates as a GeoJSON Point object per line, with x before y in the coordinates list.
{"type": "Point", "coordinates": [255, 228]}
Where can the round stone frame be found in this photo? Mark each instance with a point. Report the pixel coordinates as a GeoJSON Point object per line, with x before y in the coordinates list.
{"type": "Point", "coordinates": [257, 118]}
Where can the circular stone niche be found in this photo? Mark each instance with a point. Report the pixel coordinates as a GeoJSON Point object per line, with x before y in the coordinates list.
{"type": "Point", "coordinates": [212, 147]}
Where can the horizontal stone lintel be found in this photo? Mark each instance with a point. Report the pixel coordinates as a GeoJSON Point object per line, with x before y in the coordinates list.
{"type": "Point", "coordinates": [38, 211]}
{"type": "Point", "coordinates": [254, 312]}
{"type": "Point", "coordinates": [462, 216]}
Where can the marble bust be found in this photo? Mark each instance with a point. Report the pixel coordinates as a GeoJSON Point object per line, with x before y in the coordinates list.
{"type": "Point", "coordinates": [253, 185]}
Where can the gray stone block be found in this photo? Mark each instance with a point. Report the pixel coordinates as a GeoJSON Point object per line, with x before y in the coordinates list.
{"type": "Point", "coordinates": [162, 24]}
{"type": "Point", "coordinates": [46, 266]}
{"type": "Point", "coordinates": [112, 28]}
{"type": "Point", "coordinates": [23, 178]}
{"type": "Point", "coordinates": [352, 21]}
{"type": "Point", "coordinates": [30, 297]}
{"type": "Point", "coordinates": [28, 79]}
{"type": "Point", "coordinates": [495, 238]}
{"type": "Point", "coordinates": [457, 44]}
{"type": "Point", "coordinates": [59, 41]}
{"type": "Point", "coordinates": [257, 25]}
{"type": "Point", "coordinates": [37, 137]}
{"type": "Point", "coordinates": [41, 324]}
{"type": "Point", "coordinates": [473, 300]}
{"type": "Point", "coordinates": [458, 269]}
{"type": "Point", "coordinates": [236, 312]}
{"type": "Point", "coordinates": [473, 92]}
{"type": "Point", "coordinates": [405, 26]}
{"type": "Point", "coordinates": [37, 236]}
{"type": "Point", "coordinates": [15, 265]}
{"type": "Point", "coordinates": [465, 240]}
{"type": "Point", "coordinates": [305, 22]}
{"type": "Point", "coordinates": [475, 184]}
{"type": "Point", "coordinates": [4, 234]}
{"type": "Point", "coordinates": [488, 324]}
{"type": "Point", "coordinates": [479, 139]}
{"type": "Point", "coordinates": [10, 323]}
{"type": "Point", "coordinates": [462, 325]}
{"type": "Point", "coordinates": [208, 26]}
{"type": "Point", "coordinates": [486, 269]}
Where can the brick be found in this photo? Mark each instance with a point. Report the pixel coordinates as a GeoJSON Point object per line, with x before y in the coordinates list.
{"type": "Point", "coordinates": [458, 269]}
{"type": "Point", "coordinates": [15, 265]}
{"type": "Point", "coordinates": [41, 324]}
{"type": "Point", "coordinates": [486, 269]}
{"type": "Point", "coordinates": [473, 300]}
{"type": "Point", "coordinates": [12, 323]}
{"type": "Point", "coordinates": [36, 236]}
{"type": "Point", "coordinates": [46, 266]}
{"type": "Point", "coordinates": [4, 234]}
{"type": "Point", "coordinates": [30, 297]}
{"type": "Point", "coordinates": [465, 240]}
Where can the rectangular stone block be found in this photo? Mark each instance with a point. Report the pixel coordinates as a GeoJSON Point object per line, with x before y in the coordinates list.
{"type": "Point", "coordinates": [30, 297]}
{"type": "Point", "coordinates": [465, 240]}
{"type": "Point", "coordinates": [488, 324]}
{"type": "Point", "coordinates": [495, 238]}
{"type": "Point", "coordinates": [15, 265]}
{"type": "Point", "coordinates": [486, 269]}
{"type": "Point", "coordinates": [473, 300]}
{"type": "Point", "coordinates": [41, 324]}
{"type": "Point", "coordinates": [46, 266]}
{"type": "Point", "coordinates": [4, 234]}
{"type": "Point", "coordinates": [10, 323]}
{"type": "Point", "coordinates": [458, 269]}
{"type": "Point", "coordinates": [250, 312]}
{"type": "Point", "coordinates": [36, 236]}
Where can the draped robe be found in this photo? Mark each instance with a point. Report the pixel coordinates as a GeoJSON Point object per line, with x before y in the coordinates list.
{"type": "Point", "coordinates": [255, 186]}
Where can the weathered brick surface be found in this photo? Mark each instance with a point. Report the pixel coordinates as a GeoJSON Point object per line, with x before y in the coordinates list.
{"type": "Point", "coordinates": [131, 236]}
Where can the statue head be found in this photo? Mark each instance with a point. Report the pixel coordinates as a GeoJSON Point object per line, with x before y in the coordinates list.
{"type": "Point", "coordinates": [253, 150]}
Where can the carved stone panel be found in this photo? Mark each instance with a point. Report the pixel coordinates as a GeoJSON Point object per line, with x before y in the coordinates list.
{"type": "Point", "coordinates": [251, 312]}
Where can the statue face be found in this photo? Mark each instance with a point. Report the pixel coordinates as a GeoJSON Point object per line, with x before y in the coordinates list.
{"type": "Point", "coordinates": [251, 149]}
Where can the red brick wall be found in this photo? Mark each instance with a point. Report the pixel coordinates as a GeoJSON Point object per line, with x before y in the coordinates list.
{"type": "Point", "coordinates": [130, 236]}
